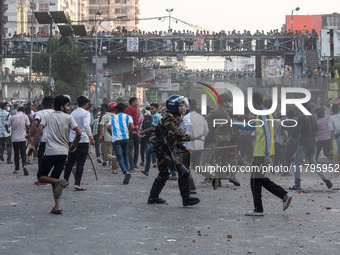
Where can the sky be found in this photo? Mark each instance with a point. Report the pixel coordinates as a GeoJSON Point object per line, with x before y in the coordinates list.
{"type": "Point", "coordinates": [217, 15]}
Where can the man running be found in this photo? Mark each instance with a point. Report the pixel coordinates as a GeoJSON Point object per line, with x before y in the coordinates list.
{"type": "Point", "coordinates": [264, 148]}
{"type": "Point", "coordinates": [58, 125]}
{"type": "Point", "coordinates": [83, 120]}
{"type": "Point", "coordinates": [18, 124]}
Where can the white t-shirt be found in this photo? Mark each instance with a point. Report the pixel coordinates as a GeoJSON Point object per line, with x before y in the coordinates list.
{"type": "Point", "coordinates": [39, 116]}
{"type": "Point", "coordinates": [83, 120]}
{"type": "Point", "coordinates": [58, 125]}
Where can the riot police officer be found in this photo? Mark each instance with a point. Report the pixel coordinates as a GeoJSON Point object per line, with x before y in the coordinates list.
{"type": "Point", "coordinates": [166, 137]}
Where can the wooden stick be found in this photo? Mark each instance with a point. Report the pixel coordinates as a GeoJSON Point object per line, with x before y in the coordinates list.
{"type": "Point", "coordinates": [212, 149]}
{"type": "Point", "coordinates": [94, 167]}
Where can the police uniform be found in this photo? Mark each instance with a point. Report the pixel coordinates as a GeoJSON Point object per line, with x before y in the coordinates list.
{"type": "Point", "coordinates": [169, 129]}
{"type": "Point", "coordinates": [225, 135]}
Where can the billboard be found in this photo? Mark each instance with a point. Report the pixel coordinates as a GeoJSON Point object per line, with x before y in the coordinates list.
{"type": "Point", "coordinates": [132, 44]}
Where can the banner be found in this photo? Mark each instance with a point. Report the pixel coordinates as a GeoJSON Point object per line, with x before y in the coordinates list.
{"type": "Point", "coordinates": [153, 95]}
{"type": "Point", "coordinates": [332, 94]}
{"type": "Point", "coordinates": [199, 44]}
{"type": "Point", "coordinates": [325, 43]}
{"type": "Point", "coordinates": [173, 87]}
{"type": "Point", "coordinates": [336, 36]}
{"type": "Point", "coordinates": [143, 85]}
{"type": "Point", "coordinates": [132, 44]}
{"type": "Point", "coordinates": [164, 83]}
{"type": "Point", "coordinates": [274, 68]}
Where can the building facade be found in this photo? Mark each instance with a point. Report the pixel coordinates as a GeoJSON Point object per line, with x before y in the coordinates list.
{"type": "Point", "coordinates": [116, 14]}
{"type": "Point", "coordinates": [19, 14]}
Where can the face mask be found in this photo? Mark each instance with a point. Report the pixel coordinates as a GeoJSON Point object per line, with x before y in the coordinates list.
{"type": "Point", "coordinates": [8, 109]}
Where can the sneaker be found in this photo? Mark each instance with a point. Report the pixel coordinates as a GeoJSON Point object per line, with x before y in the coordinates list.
{"type": "Point", "coordinates": [286, 204]}
{"type": "Point", "coordinates": [25, 171]}
{"type": "Point", "coordinates": [145, 173]}
{"type": "Point", "coordinates": [127, 178]}
{"type": "Point", "coordinates": [104, 163]}
{"type": "Point", "coordinates": [142, 164]}
{"type": "Point", "coordinates": [294, 188]}
{"type": "Point", "coordinates": [9, 162]}
{"type": "Point", "coordinates": [328, 183]}
{"type": "Point", "coordinates": [253, 213]}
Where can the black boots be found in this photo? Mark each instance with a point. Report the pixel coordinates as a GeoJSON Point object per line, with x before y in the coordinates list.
{"type": "Point", "coordinates": [155, 191]}
{"type": "Point", "coordinates": [183, 183]}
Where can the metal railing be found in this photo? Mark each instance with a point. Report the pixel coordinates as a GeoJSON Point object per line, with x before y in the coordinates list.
{"type": "Point", "coordinates": [217, 45]}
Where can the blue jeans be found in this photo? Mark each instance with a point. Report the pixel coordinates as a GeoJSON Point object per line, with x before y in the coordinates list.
{"type": "Point", "coordinates": [122, 152]}
{"type": "Point", "coordinates": [173, 172]}
{"type": "Point", "coordinates": [300, 152]}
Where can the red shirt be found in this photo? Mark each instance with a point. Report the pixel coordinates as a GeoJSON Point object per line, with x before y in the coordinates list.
{"type": "Point", "coordinates": [133, 112]}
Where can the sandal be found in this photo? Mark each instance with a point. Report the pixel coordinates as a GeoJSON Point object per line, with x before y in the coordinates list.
{"type": "Point", "coordinates": [79, 188]}
{"type": "Point", "coordinates": [54, 211]}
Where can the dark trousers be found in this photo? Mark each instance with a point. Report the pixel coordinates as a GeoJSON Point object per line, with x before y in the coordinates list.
{"type": "Point", "coordinates": [19, 148]}
{"type": "Point", "coordinates": [41, 152]}
{"type": "Point", "coordinates": [133, 150]}
{"type": "Point", "coordinates": [143, 142]}
{"type": "Point", "coordinates": [48, 162]}
{"type": "Point", "coordinates": [325, 146]}
{"type": "Point", "coordinates": [6, 141]}
{"type": "Point", "coordinates": [97, 145]}
{"type": "Point", "coordinates": [258, 180]}
{"type": "Point", "coordinates": [80, 156]}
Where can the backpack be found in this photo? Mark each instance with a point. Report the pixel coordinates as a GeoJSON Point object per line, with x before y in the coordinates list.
{"type": "Point", "coordinates": [147, 122]}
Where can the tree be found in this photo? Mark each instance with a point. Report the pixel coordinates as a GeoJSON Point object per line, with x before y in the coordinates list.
{"type": "Point", "coordinates": [68, 67]}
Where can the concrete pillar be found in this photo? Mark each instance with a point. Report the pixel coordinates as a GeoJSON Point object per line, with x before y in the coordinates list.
{"type": "Point", "coordinates": [99, 61]}
{"type": "Point", "coordinates": [258, 66]}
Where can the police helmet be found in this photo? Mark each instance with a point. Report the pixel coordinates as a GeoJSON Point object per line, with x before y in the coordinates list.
{"type": "Point", "coordinates": [173, 102]}
{"type": "Point", "coordinates": [225, 98]}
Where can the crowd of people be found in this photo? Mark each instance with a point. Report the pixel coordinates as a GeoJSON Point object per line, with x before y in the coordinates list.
{"type": "Point", "coordinates": [203, 40]}
{"type": "Point", "coordinates": [175, 138]}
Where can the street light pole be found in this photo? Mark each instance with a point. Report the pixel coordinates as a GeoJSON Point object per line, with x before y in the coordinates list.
{"type": "Point", "coordinates": [292, 24]}
{"type": "Point", "coordinates": [99, 95]}
{"type": "Point", "coordinates": [169, 11]}
{"type": "Point", "coordinates": [31, 54]}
